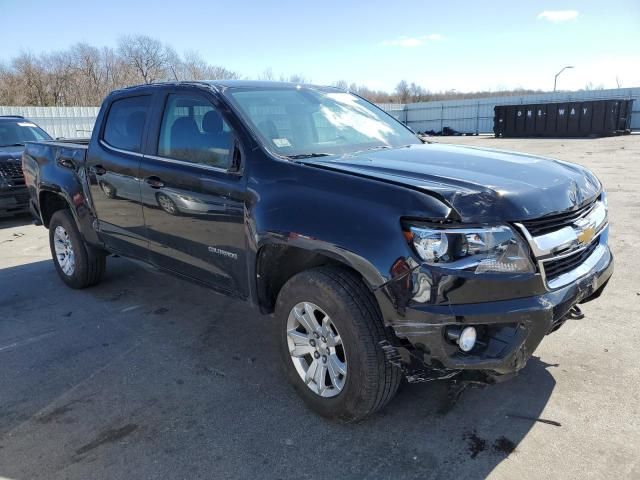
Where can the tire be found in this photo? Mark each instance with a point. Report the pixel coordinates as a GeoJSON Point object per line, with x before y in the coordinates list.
{"type": "Point", "coordinates": [109, 190]}
{"type": "Point", "coordinates": [88, 263]}
{"type": "Point", "coordinates": [167, 204]}
{"type": "Point", "coordinates": [370, 380]}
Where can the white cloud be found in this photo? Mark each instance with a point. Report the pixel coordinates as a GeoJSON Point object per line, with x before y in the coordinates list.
{"type": "Point", "coordinates": [557, 16]}
{"type": "Point", "coordinates": [411, 42]}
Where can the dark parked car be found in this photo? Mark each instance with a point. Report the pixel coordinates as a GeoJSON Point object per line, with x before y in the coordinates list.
{"type": "Point", "coordinates": [381, 257]}
{"type": "Point", "coordinates": [14, 132]}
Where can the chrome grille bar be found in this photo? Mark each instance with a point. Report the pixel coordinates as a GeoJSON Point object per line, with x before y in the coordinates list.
{"type": "Point", "coordinates": [567, 246]}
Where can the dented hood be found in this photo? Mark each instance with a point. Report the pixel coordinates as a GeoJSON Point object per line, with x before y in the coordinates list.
{"type": "Point", "coordinates": [482, 185]}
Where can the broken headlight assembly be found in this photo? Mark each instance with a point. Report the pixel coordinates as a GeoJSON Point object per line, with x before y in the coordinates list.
{"type": "Point", "coordinates": [490, 249]}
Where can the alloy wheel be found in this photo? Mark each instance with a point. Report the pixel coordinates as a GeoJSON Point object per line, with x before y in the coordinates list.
{"type": "Point", "coordinates": [64, 250]}
{"type": "Point", "coordinates": [167, 204]}
{"type": "Point", "coordinates": [316, 349]}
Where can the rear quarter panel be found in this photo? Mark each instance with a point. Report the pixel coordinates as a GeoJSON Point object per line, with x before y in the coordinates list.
{"type": "Point", "coordinates": [42, 163]}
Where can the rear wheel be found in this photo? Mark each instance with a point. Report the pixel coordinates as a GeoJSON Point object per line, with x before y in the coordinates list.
{"type": "Point", "coordinates": [78, 264]}
{"type": "Point", "coordinates": [330, 331]}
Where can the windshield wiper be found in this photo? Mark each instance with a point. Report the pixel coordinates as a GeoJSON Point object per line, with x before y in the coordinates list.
{"type": "Point", "coordinates": [13, 145]}
{"type": "Point", "coordinates": [307, 155]}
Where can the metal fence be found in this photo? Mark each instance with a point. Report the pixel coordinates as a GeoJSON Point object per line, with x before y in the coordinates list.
{"type": "Point", "coordinates": [65, 122]}
{"type": "Point", "coordinates": [468, 116]}
{"type": "Point", "coordinates": [476, 115]}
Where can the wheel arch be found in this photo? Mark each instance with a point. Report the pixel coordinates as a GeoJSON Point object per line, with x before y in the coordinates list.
{"type": "Point", "coordinates": [52, 198]}
{"type": "Point", "coordinates": [50, 201]}
{"type": "Point", "coordinates": [277, 262]}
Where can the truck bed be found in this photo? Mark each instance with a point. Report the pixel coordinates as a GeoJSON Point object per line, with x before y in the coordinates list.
{"type": "Point", "coordinates": [46, 152]}
{"type": "Point", "coordinates": [60, 162]}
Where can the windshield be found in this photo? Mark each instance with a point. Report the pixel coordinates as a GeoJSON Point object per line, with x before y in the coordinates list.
{"type": "Point", "coordinates": [302, 121]}
{"type": "Point", "coordinates": [16, 132]}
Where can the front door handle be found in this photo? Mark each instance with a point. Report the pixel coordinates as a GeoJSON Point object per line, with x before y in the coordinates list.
{"type": "Point", "coordinates": [99, 170]}
{"type": "Point", "coordinates": [154, 182]}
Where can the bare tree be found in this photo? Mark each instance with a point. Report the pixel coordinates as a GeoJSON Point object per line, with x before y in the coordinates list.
{"type": "Point", "coordinates": [403, 92]}
{"type": "Point", "coordinates": [89, 74]}
{"type": "Point", "coordinates": [298, 78]}
{"type": "Point", "coordinates": [118, 73]}
{"type": "Point", "coordinates": [9, 86]}
{"type": "Point", "coordinates": [84, 74]}
{"type": "Point", "coordinates": [58, 71]}
{"type": "Point", "coordinates": [216, 72]}
{"type": "Point", "coordinates": [173, 64]}
{"type": "Point", "coordinates": [146, 55]}
{"type": "Point", "coordinates": [194, 67]}
{"type": "Point", "coordinates": [34, 79]}
{"type": "Point", "coordinates": [418, 93]}
{"type": "Point", "coordinates": [267, 74]}
{"type": "Point", "coordinates": [343, 84]}
{"type": "Point", "coordinates": [591, 86]}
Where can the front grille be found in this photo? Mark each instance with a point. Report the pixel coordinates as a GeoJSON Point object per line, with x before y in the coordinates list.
{"type": "Point", "coordinates": [11, 170]}
{"type": "Point", "coordinates": [550, 223]}
{"type": "Point", "coordinates": [22, 198]}
{"type": "Point", "coordinates": [555, 268]}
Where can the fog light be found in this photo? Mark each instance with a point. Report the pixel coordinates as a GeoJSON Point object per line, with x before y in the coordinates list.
{"type": "Point", "coordinates": [465, 338]}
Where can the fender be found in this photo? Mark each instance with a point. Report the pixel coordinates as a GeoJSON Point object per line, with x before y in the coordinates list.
{"type": "Point", "coordinates": [351, 219]}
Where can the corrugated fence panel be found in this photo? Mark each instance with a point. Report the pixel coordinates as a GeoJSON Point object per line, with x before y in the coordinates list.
{"type": "Point", "coordinates": [468, 116]}
{"type": "Point", "coordinates": [65, 122]}
{"type": "Point", "coordinates": [476, 115]}
{"type": "Point", "coordinates": [397, 110]}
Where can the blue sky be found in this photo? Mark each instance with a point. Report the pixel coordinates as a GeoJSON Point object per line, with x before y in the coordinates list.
{"type": "Point", "coordinates": [463, 45]}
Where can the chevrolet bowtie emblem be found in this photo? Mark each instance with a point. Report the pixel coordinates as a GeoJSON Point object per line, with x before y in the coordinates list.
{"type": "Point", "coordinates": [586, 234]}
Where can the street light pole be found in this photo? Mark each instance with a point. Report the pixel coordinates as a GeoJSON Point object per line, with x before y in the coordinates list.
{"type": "Point", "coordinates": [555, 80]}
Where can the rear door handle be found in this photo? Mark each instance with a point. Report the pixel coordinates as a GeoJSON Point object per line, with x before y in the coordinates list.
{"type": "Point", "coordinates": [154, 182]}
{"type": "Point", "coordinates": [99, 170]}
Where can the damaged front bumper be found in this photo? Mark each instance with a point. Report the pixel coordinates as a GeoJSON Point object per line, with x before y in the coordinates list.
{"type": "Point", "coordinates": [509, 330]}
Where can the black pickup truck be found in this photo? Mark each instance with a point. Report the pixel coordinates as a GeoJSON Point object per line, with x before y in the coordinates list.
{"type": "Point", "coordinates": [382, 257]}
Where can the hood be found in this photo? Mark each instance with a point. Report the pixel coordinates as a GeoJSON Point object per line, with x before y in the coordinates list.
{"type": "Point", "coordinates": [482, 185]}
{"type": "Point", "coordinates": [11, 153]}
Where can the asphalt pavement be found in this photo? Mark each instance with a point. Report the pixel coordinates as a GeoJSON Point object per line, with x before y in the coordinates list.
{"type": "Point", "coordinates": [150, 377]}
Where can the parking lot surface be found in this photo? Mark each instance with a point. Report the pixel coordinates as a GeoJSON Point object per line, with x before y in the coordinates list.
{"type": "Point", "coordinates": [147, 376]}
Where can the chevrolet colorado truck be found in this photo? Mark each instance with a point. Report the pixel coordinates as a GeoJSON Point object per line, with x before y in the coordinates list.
{"type": "Point", "coordinates": [14, 132]}
{"type": "Point", "coordinates": [381, 256]}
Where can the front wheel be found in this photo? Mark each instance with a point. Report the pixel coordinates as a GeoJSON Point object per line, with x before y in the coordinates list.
{"type": "Point", "coordinates": [108, 189]}
{"type": "Point", "coordinates": [167, 204]}
{"type": "Point", "coordinates": [330, 331]}
{"type": "Point", "coordinates": [78, 264]}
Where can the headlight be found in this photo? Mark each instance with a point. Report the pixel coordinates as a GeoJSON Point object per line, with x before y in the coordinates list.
{"type": "Point", "coordinates": [482, 249]}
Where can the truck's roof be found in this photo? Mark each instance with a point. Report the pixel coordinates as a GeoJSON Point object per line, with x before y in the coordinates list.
{"type": "Point", "coordinates": [223, 84]}
{"type": "Point", "coordinates": [249, 84]}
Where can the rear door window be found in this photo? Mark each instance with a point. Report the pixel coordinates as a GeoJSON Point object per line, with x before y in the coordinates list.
{"type": "Point", "coordinates": [125, 123]}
